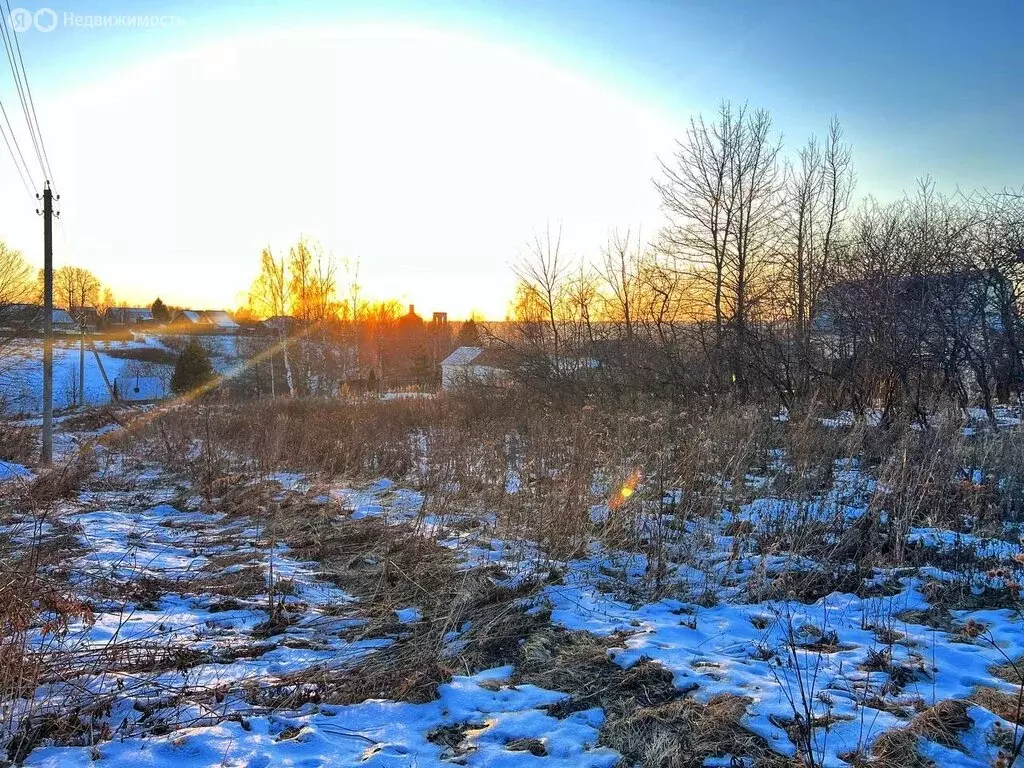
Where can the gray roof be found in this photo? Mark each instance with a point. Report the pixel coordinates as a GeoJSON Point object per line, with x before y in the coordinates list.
{"type": "Point", "coordinates": [463, 356]}
{"type": "Point", "coordinates": [31, 316]}
{"type": "Point", "coordinates": [130, 314]}
{"type": "Point", "coordinates": [220, 318]}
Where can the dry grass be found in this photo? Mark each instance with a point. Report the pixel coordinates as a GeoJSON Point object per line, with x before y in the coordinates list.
{"type": "Point", "coordinates": [96, 418]}
{"type": "Point", "coordinates": [897, 749]}
{"type": "Point", "coordinates": [461, 453]}
{"type": "Point", "coordinates": [648, 720]}
{"type": "Point", "coordinates": [578, 663]}
{"type": "Point", "coordinates": [685, 733]}
{"type": "Point", "coordinates": [942, 724]}
{"type": "Point", "coordinates": [30, 600]}
{"type": "Point", "coordinates": [61, 482]}
{"type": "Point", "coordinates": [391, 566]}
{"type": "Point", "coordinates": [18, 444]}
{"type": "Point", "coordinates": [1007, 705]}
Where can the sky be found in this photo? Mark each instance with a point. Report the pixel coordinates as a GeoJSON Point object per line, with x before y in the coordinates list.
{"type": "Point", "coordinates": [424, 145]}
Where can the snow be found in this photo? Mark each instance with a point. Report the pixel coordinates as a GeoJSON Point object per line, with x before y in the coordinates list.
{"type": "Point", "coordinates": [375, 733]}
{"type": "Point", "coordinates": [10, 471]}
{"type": "Point", "coordinates": [21, 373]}
{"type": "Point", "coordinates": [125, 543]}
{"type": "Point", "coordinates": [408, 615]}
{"type": "Point", "coordinates": [717, 632]}
{"type": "Point", "coordinates": [140, 388]}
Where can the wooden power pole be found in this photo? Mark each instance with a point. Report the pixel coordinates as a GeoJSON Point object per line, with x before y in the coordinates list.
{"type": "Point", "coordinates": [47, 457]}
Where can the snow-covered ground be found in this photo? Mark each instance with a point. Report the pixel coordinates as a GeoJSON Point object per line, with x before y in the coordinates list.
{"type": "Point", "coordinates": [21, 372]}
{"type": "Point", "coordinates": [187, 664]}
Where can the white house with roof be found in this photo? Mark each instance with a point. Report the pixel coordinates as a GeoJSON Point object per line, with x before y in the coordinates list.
{"type": "Point", "coordinates": [186, 317]}
{"type": "Point", "coordinates": [476, 366]}
{"type": "Point", "coordinates": [204, 321]}
{"type": "Point", "coordinates": [219, 320]}
{"type": "Point", "coordinates": [282, 324]}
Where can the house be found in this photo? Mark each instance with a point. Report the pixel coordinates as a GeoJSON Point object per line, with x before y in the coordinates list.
{"type": "Point", "coordinates": [28, 318]}
{"type": "Point", "coordinates": [186, 318]}
{"type": "Point", "coordinates": [129, 316]}
{"type": "Point", "coordinates": [218, 320]}
{"type": "Point", "coordinates": [139, 389]}
{"type": "Point", "coordinates": [476, 366]}
{"type": "Point", "coordinates": [931, 311]}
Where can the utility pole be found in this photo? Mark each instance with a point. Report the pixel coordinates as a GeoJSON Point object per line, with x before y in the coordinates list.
{"type": "Point", "coordinates": [81, 367]}
{"type": "Point", "coordinates": [47, 458]}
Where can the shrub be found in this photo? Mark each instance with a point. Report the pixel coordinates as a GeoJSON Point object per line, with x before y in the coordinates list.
{"type": "Point", "coordinates": [192, 370]}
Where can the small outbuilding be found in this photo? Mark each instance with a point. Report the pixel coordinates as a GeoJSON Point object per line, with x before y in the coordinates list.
{"type": "Point", "coordinates": [476, 366]}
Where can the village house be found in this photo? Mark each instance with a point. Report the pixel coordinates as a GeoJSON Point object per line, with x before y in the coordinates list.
{"type": "Point", "coordinates": [139, 389]}
{"type": "Point", "coordinates": [218, 320]}
{"type": "Point", "coordinates": [28, 318]}
{"type": "Point", "coordinates": [128, 316]}
{"type": "Point", "coordinates": [204, 321]}
{"type": "Point", "coordinates": [284, 325]}
{"type": "Point", "coordinates": [185, 318]}
{"type": "Point", "coordinates": [936, 310]}
{"type": "Point", "coordinates": [476, 367]}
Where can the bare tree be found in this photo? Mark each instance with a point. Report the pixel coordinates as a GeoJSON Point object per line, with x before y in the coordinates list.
{"type": "Point", "coordinates": [269, 297]}
{"type": "Point", "coordinates": [541, 292]}
{"type": "Point", "coordinates": [16, 284]}
{"type": "Point", "coordinates": [700, 200]}
{"type": "Point", "coordinates": [838, 182]}
{"type": "Point", "coordinates": [622, 264]}
{"type": "Point", "coordinates": [75, 288]}
{"type": "Point", "coordinates": [818, 192]}
{"type": "Point", "coordinates": [16, 287]}
{"type": "Point", "coordinates": [723, 196]}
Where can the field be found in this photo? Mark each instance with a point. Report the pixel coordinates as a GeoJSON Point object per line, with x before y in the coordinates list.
{"type": "Point", "coordinates": [21, 371]}
{"type": "Point", "coordinates": [497, 582]}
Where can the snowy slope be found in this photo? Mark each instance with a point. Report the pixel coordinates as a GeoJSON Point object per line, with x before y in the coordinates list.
{"type": "Point", "coordinates": [21, 373]}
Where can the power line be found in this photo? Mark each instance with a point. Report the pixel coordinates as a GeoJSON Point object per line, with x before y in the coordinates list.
{"type": "Point", "coordinates": [31, 101]}
{"type": "Point", "coordinates": [14, 159]}
{"type": "Point", "coordinates": [6, 33]}
{"type": "Point", "coordinates": [17, 146]}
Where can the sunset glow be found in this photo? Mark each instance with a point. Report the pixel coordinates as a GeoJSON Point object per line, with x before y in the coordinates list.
{"type": "Point", "coordinates": [429, 158]}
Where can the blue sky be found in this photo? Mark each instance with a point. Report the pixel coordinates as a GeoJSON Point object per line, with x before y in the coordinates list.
{"type": "Point", "coordinates": [920, 87]}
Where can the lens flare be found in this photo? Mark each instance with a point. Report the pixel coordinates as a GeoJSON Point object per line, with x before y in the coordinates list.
{"type": "Point", "coordinates": [148, 416]}
{"type": "Point", "coordinates": [626, 490]}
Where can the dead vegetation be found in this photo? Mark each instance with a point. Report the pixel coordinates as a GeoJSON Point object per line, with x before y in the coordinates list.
{"type": "Point", "coordinates": [647, 719]}
{"type": "Point", "coordinates": [942, 724]}
{"type": "Point", "coordinates": [529, 479]}
{"type": "Point", "coordinates": [18, 444]}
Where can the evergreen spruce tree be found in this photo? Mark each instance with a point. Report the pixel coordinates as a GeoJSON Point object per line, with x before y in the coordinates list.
{"type": "Point", "coordinates": [160, 312]}
{"type": "Point", "coordinates": [192, 370]}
